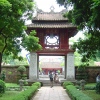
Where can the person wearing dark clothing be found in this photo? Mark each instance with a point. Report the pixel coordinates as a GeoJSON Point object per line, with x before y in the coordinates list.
{"type": "Point", "coordinates": [51, 78]}
{"type": "Point", "coordinates": [98, 77]}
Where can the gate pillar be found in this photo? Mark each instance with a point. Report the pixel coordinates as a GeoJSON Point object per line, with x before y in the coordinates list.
{"type": "Point", "coordinates": [33, 66]}
{"type": "Point", "coordinates": [70, 69]}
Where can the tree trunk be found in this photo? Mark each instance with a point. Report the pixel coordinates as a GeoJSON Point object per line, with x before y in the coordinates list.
{"type": "Point", "coordinates": [0, 61]}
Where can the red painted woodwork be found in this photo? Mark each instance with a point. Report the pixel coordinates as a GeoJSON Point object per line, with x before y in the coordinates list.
{"type": "Point", "coordinates": [52, 24]}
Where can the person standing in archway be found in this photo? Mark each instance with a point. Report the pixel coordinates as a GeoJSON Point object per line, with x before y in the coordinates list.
{"type": "Point", "coordinates": [51, 78]}
{"type": "Point", "coordinates": [56, 78]}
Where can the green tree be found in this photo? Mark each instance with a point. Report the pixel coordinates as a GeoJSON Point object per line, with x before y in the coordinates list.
{"type": "Point", "coordinates": [8, 59]}
{"type": "Point", "coordinates": [13, 14]}
{"type": "Point", "coordinates": [77, 58]}
{"type": "Point", "coordinates": [85, 14]}
{"type": "Point", "coordinates": [22, 62]}
{"type": "Point", "coordinates": [30, 42]}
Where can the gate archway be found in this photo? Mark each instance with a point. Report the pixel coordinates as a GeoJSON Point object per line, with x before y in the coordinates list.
{"type": "Point", "coordinates": [54, 31]}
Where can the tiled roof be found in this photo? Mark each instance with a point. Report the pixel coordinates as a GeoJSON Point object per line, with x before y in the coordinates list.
{"type": "Point", "coordinates": [50, 20]}
{"type": "Point", "coordinates": [50, 15]}
{"type": "Point", "coordinates": [51, 25]}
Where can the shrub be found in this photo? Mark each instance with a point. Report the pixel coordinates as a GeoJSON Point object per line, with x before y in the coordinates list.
{"type": "Point", "coordinates": [77, 82]}
{"type": "Point", "coordinates": [86, 87]}
{"type": "Point", "coordinates": [98, 87]}
{"type": "Point", "coordinates": [81, 68]}
{"type": "Point", "coordinates": [27, 94]}
{"type": "Point", "coordinates": [90, 87]}
{"type": "Point", "coordinates": [3, 75]}
{"type": "Point", "coordinates": [2, 87]}
{"type": "Point", "coordinates": [25, 82]}
{"type": "Point", "coordinates": [76, 94]}
{"type": "Point", "coordinates": [21, 69]}
{"type": "Point", "coordinates": [67, 83]}
{"type": "Point", "coordinates": [41, 83]}
{"type": "Point", "coordinates": [37, 84]}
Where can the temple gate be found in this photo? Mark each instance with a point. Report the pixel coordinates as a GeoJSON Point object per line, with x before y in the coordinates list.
{"type": "Point", "coordinates": [54, 32]}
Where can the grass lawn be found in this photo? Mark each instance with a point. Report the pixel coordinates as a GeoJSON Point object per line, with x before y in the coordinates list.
{"type": "Point", "coordinates": [90, 84]}
{"type": "Point", "coordinates": [11, 85]}
{"type": "Point", "coordinates": [92, 94]}
{"type": "Point", "coordinates": [8, 95]}
{"type": "Point", "coordinates": [14, 85]}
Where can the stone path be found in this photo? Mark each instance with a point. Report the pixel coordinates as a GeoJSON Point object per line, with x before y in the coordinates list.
{"type": "Point", "coordinates": [54, 93]}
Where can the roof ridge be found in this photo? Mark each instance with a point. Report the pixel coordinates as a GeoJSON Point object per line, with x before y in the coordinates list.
{"type": "Point", "coordinates": [41, 11]}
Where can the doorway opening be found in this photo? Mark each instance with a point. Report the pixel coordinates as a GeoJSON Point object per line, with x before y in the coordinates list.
{"type": "Point", "coordinates": [56, 64]}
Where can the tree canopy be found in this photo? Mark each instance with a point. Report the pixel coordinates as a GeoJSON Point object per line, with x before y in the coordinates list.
{"type": "Point", "coordinates": [30, 42]}
{"type": "Point", "coordinates": [13, 14]}
{"type": "Point", "coordinates": [85, 14]}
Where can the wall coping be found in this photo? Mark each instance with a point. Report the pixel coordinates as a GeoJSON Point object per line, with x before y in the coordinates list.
{"type": "Point", "coordinates": [13, 66]}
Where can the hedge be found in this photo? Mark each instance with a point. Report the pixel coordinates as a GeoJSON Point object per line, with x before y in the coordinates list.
{"type": "Point", "coordinates": [76, 94]}
{"type": "Point", "coordinates": [67, 83]}
{"type": "Point", "coordinates": [27, 94]}
{"type": "Point", "coordinates": [37, 84]}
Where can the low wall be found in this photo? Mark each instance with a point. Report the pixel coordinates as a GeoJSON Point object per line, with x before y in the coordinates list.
{"type": "Point", "coordinates": [12, 73]}
{"type": "Point", "coordinates": [90, 72]}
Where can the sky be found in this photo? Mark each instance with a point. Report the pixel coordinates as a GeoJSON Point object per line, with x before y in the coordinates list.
{"type": "Point", "coordinates": [46, 4]}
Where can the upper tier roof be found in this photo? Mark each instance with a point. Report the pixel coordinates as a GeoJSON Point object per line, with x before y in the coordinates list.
{"type": "Point", "coordinates": [53, 16]}
{"type": "Point", "coordinates": [50, 20]}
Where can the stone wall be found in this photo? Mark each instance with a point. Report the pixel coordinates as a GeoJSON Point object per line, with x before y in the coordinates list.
{"type": "Point", "coordinates": [91, 73]}
{"type": "Point", "coordinates": [12, 75]}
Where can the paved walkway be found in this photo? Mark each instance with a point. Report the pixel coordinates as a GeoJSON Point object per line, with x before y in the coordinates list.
{"type": "Point", "coordinates": [54, 93]}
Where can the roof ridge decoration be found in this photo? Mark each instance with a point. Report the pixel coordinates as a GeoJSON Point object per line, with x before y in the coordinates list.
{"type": "Point", "coordinates": [50, 16]}
{"type": "Point", "coordinates": [40, 11]}
{"type": "Point", "coordinates": [52, 8]}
